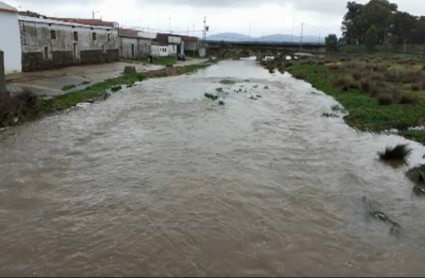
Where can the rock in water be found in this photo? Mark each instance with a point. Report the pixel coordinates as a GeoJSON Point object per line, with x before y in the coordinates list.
{"type": "Point", "coordinates": [130, 69]}
{"type": "Point", "coordinates": [372, 209]}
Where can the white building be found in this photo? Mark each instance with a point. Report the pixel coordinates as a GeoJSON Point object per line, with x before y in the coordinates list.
{"type": "Point", "coordinates": [158, 50]}
{"type": "Point", "coordinates": [10, 41]}
{"type": "Point", "coordinates": [48, 44]}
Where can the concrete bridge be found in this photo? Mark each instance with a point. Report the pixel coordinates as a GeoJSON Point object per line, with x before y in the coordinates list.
{"type": "Point", "coordinates": [261, 49]}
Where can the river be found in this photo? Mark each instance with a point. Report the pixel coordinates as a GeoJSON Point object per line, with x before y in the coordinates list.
{"type": "Point", "coordinates": [160, 181]}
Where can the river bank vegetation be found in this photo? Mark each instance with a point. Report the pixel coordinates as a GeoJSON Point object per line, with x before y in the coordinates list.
{"type": "Point", "coordinates": [26, 106]}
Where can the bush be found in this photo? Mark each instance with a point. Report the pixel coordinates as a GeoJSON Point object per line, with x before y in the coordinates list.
{"type": "Point", "coordinates": [385, 99]}
{"type": "Point", "coordinates": [357, 75]}
{"type": "Point", "coordinates": [17, 107]}
{"type": "Point", "coordinates": [344, 81]}
{"type": "Point", "coordinates": [392, 76]}
{"type": "Point", "coordinates": [416, 87]}
{"type": "Point", "coordinates": [408, 99]}
{"type": "Point", "coordinates": [334, 67]}
{"type": "Point", "coordinates": [377, 76]}
{"type": "Point", "coordinates": [400, 152]}
{"type": "Point", "coordinates": [366, 85]}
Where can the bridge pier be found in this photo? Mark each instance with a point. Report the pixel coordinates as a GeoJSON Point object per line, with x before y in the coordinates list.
{"type": "Point", "coordinates": [236, 55]}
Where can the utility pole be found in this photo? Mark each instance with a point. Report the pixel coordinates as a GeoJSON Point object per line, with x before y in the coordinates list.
{"type": "Point", "coordinates": [204, 33]}
{"type": "Point", "coordinates": [301, 39]}
{"type": "Point", "coordinates": [169, 22]}
{"type": "Point", "coordinates": [250, 30]}
{"type": "Point", "coordinates": [292, 36]}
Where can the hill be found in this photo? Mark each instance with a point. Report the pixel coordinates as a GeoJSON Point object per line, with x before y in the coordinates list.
{"type": "Point", "coordinates": [269, 38]}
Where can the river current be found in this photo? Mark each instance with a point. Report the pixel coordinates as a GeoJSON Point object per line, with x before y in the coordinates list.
{"type": "Point", "coordinates": [160, 181]}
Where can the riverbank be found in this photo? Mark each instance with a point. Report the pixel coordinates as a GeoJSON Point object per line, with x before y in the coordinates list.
{"type": "Point", "coordinates": [98, 91]}
{"type": "Point", "coordinates": [378, 94]}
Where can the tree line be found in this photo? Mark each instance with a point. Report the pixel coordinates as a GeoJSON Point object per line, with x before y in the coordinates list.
{"type": "Point", "coordinates": [380, 22]}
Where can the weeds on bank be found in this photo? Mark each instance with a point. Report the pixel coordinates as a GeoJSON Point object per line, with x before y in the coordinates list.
{"type": "Point", "coordinates": [400, 152]}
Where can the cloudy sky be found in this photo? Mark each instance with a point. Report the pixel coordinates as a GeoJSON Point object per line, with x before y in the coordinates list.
{"type": "Point", "coordinates": [268, 16]}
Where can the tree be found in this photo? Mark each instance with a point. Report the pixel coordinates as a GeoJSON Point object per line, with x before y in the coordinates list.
{"type": "Point", "coordinates": [371, 38]}
{"type": "Point", "coordinates": [331, 43]}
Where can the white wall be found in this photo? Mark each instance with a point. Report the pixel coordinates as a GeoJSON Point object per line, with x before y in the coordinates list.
{"type": "Point", "coordinates": [172, 39]}
{"type": "Point", "coordinates": [10, 41]}
{"type": "Point", "coordinates": [141, 47]}
{"type": "Point", "coordinates": [172, 49]}
{"type": "Point", "coordinates": [37, 35]}
{"type": "Point", "coordinates": [159, 50]}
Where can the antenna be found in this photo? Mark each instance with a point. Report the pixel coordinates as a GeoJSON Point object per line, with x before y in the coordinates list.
{"type": "Point", "coordinates": [292, 36]}
{"type": "Point", "coordinates": [301, 39]}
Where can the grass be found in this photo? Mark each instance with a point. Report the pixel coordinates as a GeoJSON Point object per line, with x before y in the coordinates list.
{"type": "Point", "coordinates": [211, 96]}
{"type": "Point", "coordinates": [373, 104]}
{"type": "Point", "coordinates": [68, 87]}
{"type": "Point", "coordinates": [400, 152]}
{"type": "Point", "coordinates": [167, 60]}
{"type": "Point", "coordinates": [98, 90]}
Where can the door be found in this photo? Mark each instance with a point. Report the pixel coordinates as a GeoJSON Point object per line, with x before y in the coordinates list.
{"type": "Point", "coordinates": [132, 50]}
{"type": "Point", "coordinates": [75, 52]}
{"type": "Point", "coordinates": [179, 49]}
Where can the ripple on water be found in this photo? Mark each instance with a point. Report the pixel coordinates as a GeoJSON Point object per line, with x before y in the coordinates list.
{"type": "Point", "coordinates": [158, 181]}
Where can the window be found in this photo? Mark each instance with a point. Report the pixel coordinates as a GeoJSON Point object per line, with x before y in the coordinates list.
{"type": "Point", "coordinates": [109, 37]}
{"type": "Point", "coordinates": [46, 53]}
{"type": "Point", "coordinates": [132, 50]}
{"type": "Point", "coordinates": [75, 36]}
{"type": "Point", "coordinates": [53, 34]}
{"type": "Point", "coordinates": [93, 36]}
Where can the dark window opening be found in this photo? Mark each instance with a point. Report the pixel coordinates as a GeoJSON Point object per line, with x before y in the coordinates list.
{"type": "Point", "coordinates": [93, 36]}
{"type": "Point", "coordinates": [132, 50]}
{"type": "Point", "coordinates": [109, 37]}
{"type": "Point", "coordinates": [75, 36]}
{"type": "Point", "coordinates": [46, 53]}
{"type": "Point", "coordinates": [53, 34]}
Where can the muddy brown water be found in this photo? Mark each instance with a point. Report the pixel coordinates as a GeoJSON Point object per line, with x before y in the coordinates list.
{"type": "Point", "coordinates": [160, 181]}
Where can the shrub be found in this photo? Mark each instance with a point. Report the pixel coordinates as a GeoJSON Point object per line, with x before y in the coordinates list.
{"type": "Point", "coordinates": [399, 152]}
{"type": "Point", "coordinates": [210, 96]}
{"type": "Point", "coordinates": [289, 64]}
{"type": "Point", "coordinates": [392, 76]}
{"type": "Point", "coordinates": [300, 75]}
{"type": "Point", "coordinates": [385, 99]}
{"type": "Point", "coordinates": [408, 99]}
{"type": "Point", "coordinates": [357, 75]}
{"type": "Point", "coordinates": [344, 81]}
{"type": "Point", "coordinates": [377, 76]}
{"type": "Point", "coordinates": [365, 85]}
{"type": "Point", "coordinates": [334, 67]}
{"type": "Point", "coordinates": [17, 107]}
{"type": "Point", "coordinates": [416, 87]}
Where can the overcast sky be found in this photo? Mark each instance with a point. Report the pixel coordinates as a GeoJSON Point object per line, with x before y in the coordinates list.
{"type": "Point", "coordinates": [268, 16]}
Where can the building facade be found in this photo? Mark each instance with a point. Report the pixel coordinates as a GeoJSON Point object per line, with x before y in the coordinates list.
{"type": "Point", "coordinates": [131, 45]}
{"type": "Point", "coordinates": [10, 42]}
{"type": "Point", "coordinates": [49, 44]}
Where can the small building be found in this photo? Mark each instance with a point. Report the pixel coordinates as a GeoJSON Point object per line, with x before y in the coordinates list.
{"type": "Point", "coordinates": [190, 45]}
{"type": "Point", "coordinates": [133, 46]}
{"type": "Point", "coordinates": [159, 50]}
{"type": "Point", "coordinates": [10, 42]}
{"type": "Point", "coordinates": [174, 43]}
{"type": "Point", "coordinates": [48, 44]}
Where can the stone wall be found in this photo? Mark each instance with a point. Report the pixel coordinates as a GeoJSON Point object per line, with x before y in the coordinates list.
{"type": "Point", "coordinates": [48, 45]}
{"type": "Point", "coordinates": [2, 74]}
{"type": "Point", "coordinates": [36, 62]}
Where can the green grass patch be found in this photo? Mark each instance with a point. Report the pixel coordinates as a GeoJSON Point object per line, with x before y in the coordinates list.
{"type": "Point", "coordinates": [156, 60]}
{"type": "Point", "coordinates": [364, 110]}
{"type": "Point", "coordinates": [98, 90]}
{"type": "Point", "coordinates": [68, 87]}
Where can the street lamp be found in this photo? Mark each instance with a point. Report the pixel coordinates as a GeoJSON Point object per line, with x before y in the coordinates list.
{"type": "Point", "coordinates": [93, 13]}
